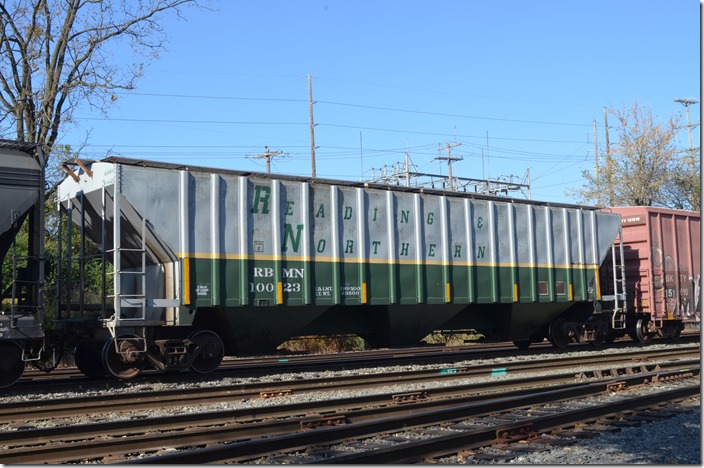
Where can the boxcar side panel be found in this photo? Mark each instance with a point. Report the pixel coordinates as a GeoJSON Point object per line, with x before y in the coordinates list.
{"type": "Point", "coordinates": [662, 249]}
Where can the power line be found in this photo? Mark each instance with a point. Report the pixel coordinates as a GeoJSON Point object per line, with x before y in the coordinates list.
{"type": "Point", "coordinates": [416, 132]}
{"type": "Point", "coordinates": [361, 106]}
{"type": "Point", "coordinates": [267, 155]}
{"type": "Point", "coordinates": [451, 93]}
{"type": "Point", "coordinates": [232, 98]}
{"type": "Point", "coordinates": [207, 122]}
{"type": "Point", "coordinates": [226, 122]}
{"type": "Point", "coordinates": [409, 111]}
{"type": "Point", "coordinates": [449, 160]}
{"type": "Point", "coordinates": [180, 146]}
{"type": "Point", "coordinates": [686, 103]}
{"type": "Point", "coordinates": [394, 175]}
{"type": "Point", "coordinates": [328, 152]}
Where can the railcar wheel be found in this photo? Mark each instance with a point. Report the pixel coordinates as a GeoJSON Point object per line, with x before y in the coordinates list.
{"type": "Point", "coordinates": [558, 333]}
{"type": "Point", "coordinates": [522, 344]}
{"type": "Point", "coordinates": [599, 337]}
{"type": "Point", "coordinates": [123, 357]}
{"type": "Point", "coordinates": [11, 363]}
{"type": "Point", "coordinates": [642, 332]}
{"type": "Point", "coordinates": [87, 356]}
{"type": "Point", "coordinates": [209, 351]}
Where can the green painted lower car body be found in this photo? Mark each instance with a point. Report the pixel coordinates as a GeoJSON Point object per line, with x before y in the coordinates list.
{"type": "Point", "coordinates": [258, 304]}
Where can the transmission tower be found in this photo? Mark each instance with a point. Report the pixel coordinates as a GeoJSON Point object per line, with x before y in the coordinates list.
{"type": "Point", "coordinates": [402, 174]}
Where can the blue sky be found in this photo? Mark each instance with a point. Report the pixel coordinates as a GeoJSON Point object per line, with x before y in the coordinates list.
{"type": "Point", "coordinates": [517, 83]}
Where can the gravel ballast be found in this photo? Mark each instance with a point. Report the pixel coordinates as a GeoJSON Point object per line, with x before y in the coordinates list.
{"type": "Point", "coordinates": [672, 440]}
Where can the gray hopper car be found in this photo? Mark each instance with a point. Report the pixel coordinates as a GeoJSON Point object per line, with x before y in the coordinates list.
{"type": "Point", "coordinates": [202, 263]}
{"type": "Point", "coordinates": [21, 279]}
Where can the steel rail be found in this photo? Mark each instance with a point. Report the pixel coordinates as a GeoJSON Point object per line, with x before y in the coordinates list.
{"type": "Point", "coordinates": [247, 415]}
{"type": "Point", "coordinates": [248, 450]}
{"type": "Point", "coordinates": [520, 430]}
{"type": "Point", "coordinates": [358, 359]}
{"type": "Point", "coordinates": [261, 365]}
{"type": "Point", "coordinates": [54, 408]}
{"type": "Point", "coordinates": [123, 437]}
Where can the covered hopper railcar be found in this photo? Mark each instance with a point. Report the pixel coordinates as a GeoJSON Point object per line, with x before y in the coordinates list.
{"type": "Point", "coordinates": [204, 263]}
{"type": "Point", "coordinates": [21, 278]}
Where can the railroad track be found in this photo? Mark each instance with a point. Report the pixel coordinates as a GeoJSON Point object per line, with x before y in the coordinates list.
{"type": "Point", "coordinates": [264, 365]}
{"type": "Point", "coordinates": [507, 418]}
{"type": "Point", "coordinates": [145, 400]}
{"type": "Point", "coordinates": [525, 425]}
{"type": "Point", "coordinates": [268, 364]}
{"type": "Point", "coordinates": [284, 421]}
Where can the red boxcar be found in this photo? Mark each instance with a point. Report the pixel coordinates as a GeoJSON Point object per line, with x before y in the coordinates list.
{"type": "Point", "coordinates": [662, 251]}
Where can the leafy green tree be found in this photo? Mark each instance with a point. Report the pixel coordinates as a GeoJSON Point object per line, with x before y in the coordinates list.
{"type": "Point", "coordinates": [684, 192]}
{"type": "Point", "coordinates": [15, 261]}
{"type": "Point", "coordinates": [644, 166]}
{"type": "Point", "coordinates": [68, 286]}
{"type": "Point", "coordinates": [56, 246]}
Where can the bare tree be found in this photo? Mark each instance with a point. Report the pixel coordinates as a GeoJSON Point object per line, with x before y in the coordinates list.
{"type": "Point", "coordinates": [58, 54]}
{"type": "Point", "coordinates": [641, 166]}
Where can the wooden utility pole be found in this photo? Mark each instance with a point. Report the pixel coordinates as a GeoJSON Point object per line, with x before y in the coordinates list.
{"type": "Point", "coordinates": [267, 155]}
{"type": "Point", "coordinates": [609, 168]}
{"type": "Point", "coordinates": [449, 160]}
{"type": "Point", "coordinates": [312, 125]}
{"type": "Point", "coordinates": [596, 166]}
